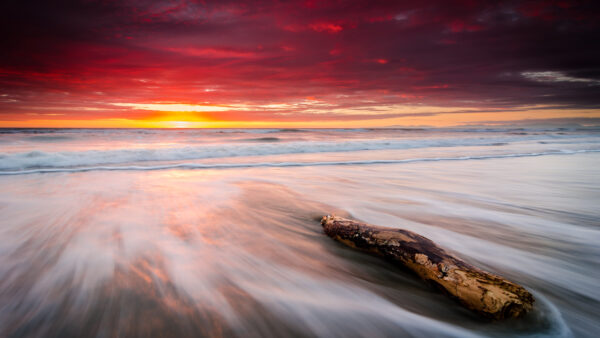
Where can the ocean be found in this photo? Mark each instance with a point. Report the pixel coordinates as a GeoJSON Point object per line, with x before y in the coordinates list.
{"type": "Point", "coordinates": [215, 232]}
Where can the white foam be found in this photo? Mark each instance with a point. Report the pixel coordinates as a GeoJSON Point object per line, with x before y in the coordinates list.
{"type": "Point", "coordinates": [287, 164]}
{"type": "Point", "coordinates": [37, 159]}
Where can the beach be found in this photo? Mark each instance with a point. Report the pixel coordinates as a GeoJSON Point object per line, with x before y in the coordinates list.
{"type": "Point", "coordinates": [193, 232]}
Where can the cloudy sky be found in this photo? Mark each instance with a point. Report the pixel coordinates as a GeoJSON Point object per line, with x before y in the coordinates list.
{"type": "Point", "coordinates": [136, 63]}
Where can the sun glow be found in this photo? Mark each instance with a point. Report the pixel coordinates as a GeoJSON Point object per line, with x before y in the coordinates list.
{"type": "Point", "coordinates": [396, 116]}
{"type": "Point", "coordinates": [180, 107]}
{"type": "Point", "coordinates": [180, 124]}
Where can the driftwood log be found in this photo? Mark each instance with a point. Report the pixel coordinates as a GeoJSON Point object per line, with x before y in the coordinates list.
{"type": "Point", "coordinates": [487, 294]}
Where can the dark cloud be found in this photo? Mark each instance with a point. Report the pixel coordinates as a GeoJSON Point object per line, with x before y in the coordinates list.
{"type": "Point", "coordinates": [454, 53]}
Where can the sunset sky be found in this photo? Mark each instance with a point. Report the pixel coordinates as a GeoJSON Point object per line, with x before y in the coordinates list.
{"type": "Point", "coordinates": [135, 63]}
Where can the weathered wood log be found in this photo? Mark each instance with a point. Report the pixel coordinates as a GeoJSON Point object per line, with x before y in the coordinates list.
{"type": "Point", "coordinates": [487, 294]}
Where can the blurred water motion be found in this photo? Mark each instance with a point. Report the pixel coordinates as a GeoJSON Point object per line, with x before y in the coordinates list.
{"type": "Point", "coordinates": [240, 252]}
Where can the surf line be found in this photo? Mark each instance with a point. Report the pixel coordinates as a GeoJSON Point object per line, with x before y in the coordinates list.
{"type": "Point", "coordinates": [285, 164]}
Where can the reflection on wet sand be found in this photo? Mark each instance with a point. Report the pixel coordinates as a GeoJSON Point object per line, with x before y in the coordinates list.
{"type": "Point", "coordinates": [119, 266]}
{"type": "Point", "coordinates": [207, 253]}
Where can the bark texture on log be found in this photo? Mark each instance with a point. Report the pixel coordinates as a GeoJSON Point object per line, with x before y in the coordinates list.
{"type": "Point", "coordinates": [487, 294]}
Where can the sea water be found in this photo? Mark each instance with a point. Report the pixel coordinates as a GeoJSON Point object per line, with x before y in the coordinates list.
{"type": "Point", "coordinates": [215, 232]}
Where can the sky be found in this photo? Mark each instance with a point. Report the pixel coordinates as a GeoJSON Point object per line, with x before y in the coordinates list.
{"type": "Point", "coordinates": [188, 63]}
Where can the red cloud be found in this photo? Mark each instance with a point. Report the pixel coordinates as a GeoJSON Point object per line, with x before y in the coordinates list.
{"type": "Point", "coordinates": [261, 52]}
{"type": "Point", "coordinates": [326, 27]}
{"type": "Point", "coordinates": [458, 26]}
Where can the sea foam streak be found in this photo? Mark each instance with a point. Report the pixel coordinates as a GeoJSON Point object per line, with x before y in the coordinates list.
{"type": "Point", "coordinates": [216, 232]}
{"type": "Point", "coordinates": [16, 160]}
{"type": "Point", "coordinates": [288, 164]}
{"type": "Point", "coordinates": [40, 159]}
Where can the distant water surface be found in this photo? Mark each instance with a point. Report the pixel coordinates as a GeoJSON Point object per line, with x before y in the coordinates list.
{"type": "Point", "coordinates": [137, 232]}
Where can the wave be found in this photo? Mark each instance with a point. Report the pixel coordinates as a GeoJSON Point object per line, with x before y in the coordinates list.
{"type": "Point", "coordinates": [291, 130]}
{"type": "Point", "coordinates": [287, 164]}
{"type": "Point", "coordinates": [39, 159]}
{"type": "Point", "coordinates": [44, 138]}
{"type": "Point", "coordinates": [264, 147]}
{"type": "Point", "coordinates": [262, 139]}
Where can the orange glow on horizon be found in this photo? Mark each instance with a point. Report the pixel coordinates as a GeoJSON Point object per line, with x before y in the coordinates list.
{"type": "Point", "coordinates": [213, 64]}
{"type": "Point", "coordinates": [192, 119]}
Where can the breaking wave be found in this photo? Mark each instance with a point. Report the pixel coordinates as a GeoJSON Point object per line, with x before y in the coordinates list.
{"type": "Point", "coordinates": [264, 147]}
{"type": "Point", "coordinates": [288, 164]}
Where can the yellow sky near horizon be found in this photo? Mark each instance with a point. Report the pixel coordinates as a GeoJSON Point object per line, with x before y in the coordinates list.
{"type": "Point", "coordinates": [443, 117]}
